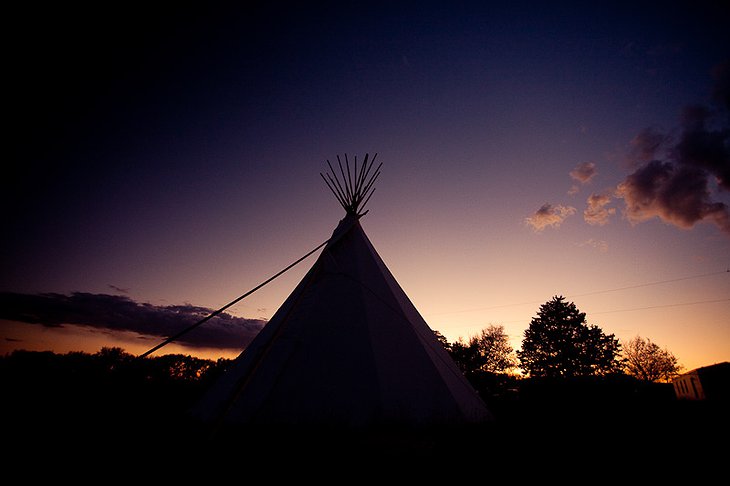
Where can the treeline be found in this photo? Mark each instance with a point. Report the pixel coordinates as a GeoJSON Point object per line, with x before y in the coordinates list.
{"type": "Point", "coordinates": [559, 343]}
{"type": "Point", "coordinates": [99, 395]}
{"type": "Point", "coordinates": [113, 386]}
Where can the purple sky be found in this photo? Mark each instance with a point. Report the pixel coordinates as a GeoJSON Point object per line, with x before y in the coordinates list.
{"type": "Point", "coordinates": [169, 160]}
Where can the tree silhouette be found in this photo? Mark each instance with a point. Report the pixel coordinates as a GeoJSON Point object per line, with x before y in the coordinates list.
{"type": "Point", "coordinates": [488, 351]}
{"type": "Point", "coordinates": [647, 361]}
{"type": "Point", "coordinates": [442, 339]}
{"type": "Point", "coordinates": [559, 343]}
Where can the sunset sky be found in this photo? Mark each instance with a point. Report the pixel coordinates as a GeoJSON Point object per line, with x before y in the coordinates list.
{"type": "Point", "coordinates": [164, 162]}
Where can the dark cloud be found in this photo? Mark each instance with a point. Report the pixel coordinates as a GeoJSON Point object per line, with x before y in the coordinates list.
{"type": "Point", "coordinates": [677, 175]}
{"type": "Point", "coordinates": [549, 216]}
{"type": "Point", "coordinates": [678, 195]}
{"type": "Point", "coordinates": [721, 89]}
{"type": "Point", "coordinates": [646, 145]}
{"type": "Point", "coordinates": [120, 313]}
{"type": "Point", "coordinates": [702, 147]}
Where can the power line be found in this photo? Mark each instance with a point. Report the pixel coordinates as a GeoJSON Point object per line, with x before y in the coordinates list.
{"type": "Point", "coordinates": [664, 305]}
{"type": "Point", "coordinates": [679, 304]}
{"type": "Point", "coordinates": [648, 284]}
{"type": "Point", "coordinates": [235, 301]}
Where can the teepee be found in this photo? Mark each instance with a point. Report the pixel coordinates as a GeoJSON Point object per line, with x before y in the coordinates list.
{"type": "Point", "coordinates": [347, 347]}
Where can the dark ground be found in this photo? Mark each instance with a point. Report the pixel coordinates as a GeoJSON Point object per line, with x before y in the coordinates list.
{"type": "Point", "coordinates": [58, 423]}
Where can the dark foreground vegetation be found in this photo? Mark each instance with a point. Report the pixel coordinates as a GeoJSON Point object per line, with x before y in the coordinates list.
{"type": "Point", "coordinates": [112, 410]}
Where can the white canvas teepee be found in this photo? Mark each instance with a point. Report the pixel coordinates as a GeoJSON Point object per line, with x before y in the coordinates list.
{"type": "Point", "coordinates": [347, 348]}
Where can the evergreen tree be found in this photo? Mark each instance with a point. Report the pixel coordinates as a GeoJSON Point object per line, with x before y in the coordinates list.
{"type": "Point", "coordinates": [559, 343]}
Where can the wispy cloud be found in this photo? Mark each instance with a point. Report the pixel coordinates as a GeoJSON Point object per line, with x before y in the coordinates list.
{"type": "Point", "coordinates": [597, 213]}
{"type": "Point", "coordinates": [599, 245]}
{"type": "Point", "coordinates": [549, 216]}
{"type": "Point", "coordinates": [120, 313]}
{"type": "Point", "coordinates": [583, 173]}
{"type": "Point", "coordinates": [118, 289]}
